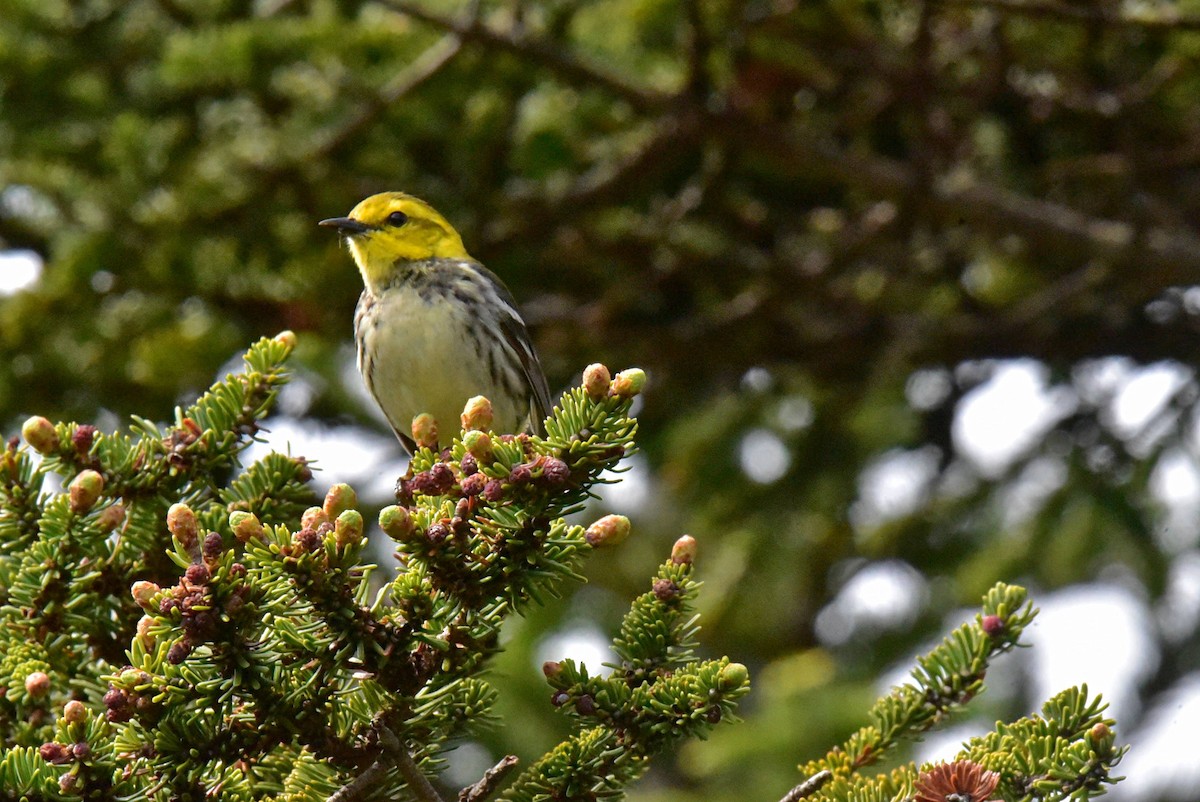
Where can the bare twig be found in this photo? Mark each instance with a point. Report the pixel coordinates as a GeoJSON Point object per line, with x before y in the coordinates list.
{"type": "Point", "coordinates": [416, 780]}
{"type": "Point", "coordinates": [491, 778]}
{"type": "Point", "coordinates": [358, 788]}
{"type": "Point", "coordinates": [1162, 20]}
{"type": "Point", "coordinates": [566, 64]}
{"type": "Point", "coordinates": [808, 787]}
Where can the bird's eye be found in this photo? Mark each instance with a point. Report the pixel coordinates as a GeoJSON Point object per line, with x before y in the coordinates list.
{"type": "Point", "coordinates": [397, 219]}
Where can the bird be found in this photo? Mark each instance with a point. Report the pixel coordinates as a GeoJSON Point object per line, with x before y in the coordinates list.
{"type": "Point", "coordinates": [433, 326]}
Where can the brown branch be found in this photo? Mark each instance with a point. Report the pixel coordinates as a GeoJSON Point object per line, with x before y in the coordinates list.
{"type": "Point", "coordinates": [487, 784]}
{"type": "Point", "coordinates": [1174, 254]}
{"type": "Point", "coordinates": [808, 787]}
{"type": "Point", "coordinates": [561, 61]}
{"type": "Point", "coordinates": [1089, 13]}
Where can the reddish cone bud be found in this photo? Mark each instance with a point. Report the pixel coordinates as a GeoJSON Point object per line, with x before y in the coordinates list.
{"type": "Point", "coordinates": [993, 625]}
{"type": "Point", "coordinates": [479, 446]}
{"type": "Point", "coordinates": [608, 531]}
{"type": "Point", "coordinates": [473, 485]}
{"type": "Point", "coordinates": [585, 705]}
{"type": "Point", "coordinates": [349, 528]}
{"type": "Point", "coordinates": [596, 379]}
{"type": "Point", "coordinates": [197, 574]}
{"type": "Point", "coordinates": [37, 684]}
{"type": "Point", "coordinates": [551, 668]}
{"type": "Point", "coordinates": [143, 592]}
{"type": "Point", "coordinates": [313, 517]}
{"type": "Point", "coordinates": [629, 383]}
{"type": "Point", "coordinates": [41, 435]}
{"type": "Point", "coordinates": [341, 497]}
{"type": "Point", "coordinates": [684, 550]}
{"type": "Point", "coordinates": [214, 546]}
{"type": "Point", "coordinates": [555, 471]}
{"type": "Point", "coordinates": [110, 518]}
{"type": "Point", "coordinates": [54, 753]}
{"type": "Point", "coordinates": [493, 491]}
{"type": "Point", "coordinates": [182, 523]}
{"type": "Point", "coordinates": [477, 415]}
{"type": "Point", "coordinates": [425, 431]}
{"type": "Point", "coordinates": [395, 522]}
{"type": "Point", "coordinates": [84, 490]}
{"type": "Point", "coordinates": [665, 589]}
{"type": "Point", "coordinates": [143, 631]}
{"type": "Point", "coordinates": [75, 712]}
{"type": "Point", "coordinates": [83, 437]}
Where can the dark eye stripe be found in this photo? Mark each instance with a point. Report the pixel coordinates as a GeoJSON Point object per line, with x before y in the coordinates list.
{"type": "Point", "coordinates": [397, 219]}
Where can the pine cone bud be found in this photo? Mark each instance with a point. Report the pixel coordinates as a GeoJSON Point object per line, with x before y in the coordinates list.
{"type": "Point", "coordinates": [313, 517]}
{"type": "Point", "coordinates": [54, 753]}
{"type": "Point", "coordinates": [596, 379]}
{"type": "Point", "coordinates": [143, 631]}
{"type": "Point", "coordinates": [493, 491]}
{"type": "Point", "coordinates": [993, 625]}
{"type": "Point", "coordinates": [286, 337]}
{"type": "Point", "coordinates": [341, 497]}
{"type": "Point", "coordinates": [181, 521]}
{"type": "Point", "coordinates": [437, 533]}
{"type": "Point", "coordinates": [733, 676]}
{"type": "Point", "coordinates": [214, 546]}
{"type": "Point", "coordinates": [1100, 738]}
{"type": "Point", "coordinates": [245, 526]}
{"type": "Point", "coordinates": [84, 490]}
{"type": "Point", "coordinates": [551, 668]}
{"type": "Point", "coordinates": [478, 445]}
{"type": "Point", "coordinates": [477, 414]}
{"type": "Point", "coordinates": [82, 438]}
{"type": "Point", "coordinates": [684, 550]}
{"type": "Point", "coordinates": [349, 528]}
{"type": "Point", "coordinates": [665, 589]}
{"type": "Point", "coordinates": [473, 485]}
{"type": "Point", "coordinates": [197, 574]}
{"type": "Point", "coordinates": [41, 435]}
{"type": "Point", "coordinates": [629, 383]}
{"type": "Point", "coordinates": [143, 592]}
{"type": "Point", "coordinates": [608, 531]}
{"type": "Point", "coordinates": [555, 471]}
{"type": "Point", "coordinates": [110, 518]}
{"type": "Point", "coordinates": [425, 431]}
{"type": "Point", "coordinates": [179, 651]}
{"type": "Point", "coordinates": [395, 522]}
{"type": "Point", "coordinates": [37, 684]}
{"type": "Point", "coordinates": [308, 539]}
{"type": "Point", "coordinates": [82, 750]}
{"type": "Point", "coordinates": [75, 712]}
{"type": "Point", "coordinates": [585, 705]}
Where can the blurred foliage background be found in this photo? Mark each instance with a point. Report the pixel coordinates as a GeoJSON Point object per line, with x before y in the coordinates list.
{"type": "Point", "coordinates": [823, 228]}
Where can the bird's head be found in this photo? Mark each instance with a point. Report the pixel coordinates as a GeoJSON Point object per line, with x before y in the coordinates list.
{"type": "Point", "coordinates": [391, 228]}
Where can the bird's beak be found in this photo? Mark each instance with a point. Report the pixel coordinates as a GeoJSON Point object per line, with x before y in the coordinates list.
{"type": "Point", "coordinates": [347, 226]}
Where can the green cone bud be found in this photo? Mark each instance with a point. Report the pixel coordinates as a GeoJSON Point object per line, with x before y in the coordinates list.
{"type": "Point", "coordinates": [596, 380]}
{"type": "Point", "coordinates": [733, 676]}
{"type": "Point", "coordinates": [395, 522]}
{"type": "Point", "coordinates": [479, 446]}
{"type": "Point", "coordinates": [40, 434]}
{"type": "Point", "coordinates": [477, 414]}
{"type": "Point", "coordinates": [84, 490]}
{"type": "Point", "coordinates": [245, 526]}
{"type": "Point", "coordinates": [341, 497]}
{"type": "Point", "coordinates": [349, 528]}
{"type": "Point", "coordinates": [608, 531]}
{"type": "Point", "coordinates": [629, 383]}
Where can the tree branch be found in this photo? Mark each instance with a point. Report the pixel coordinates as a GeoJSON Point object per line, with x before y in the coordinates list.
{"type": "Point", "coordinates": [563, 62]}
{"type": "Point", "coordinates": [487, 784]}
